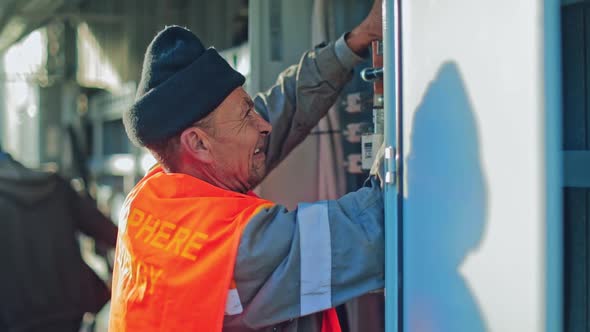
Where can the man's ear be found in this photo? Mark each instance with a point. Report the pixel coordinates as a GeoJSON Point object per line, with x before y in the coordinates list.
{"type": "Point", "coordinates": [195, 142]}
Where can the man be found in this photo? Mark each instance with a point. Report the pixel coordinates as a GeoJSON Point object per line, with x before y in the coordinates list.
{"type": "Point", "coordinates": [44, 284]}
{"type": "Point", "coordinates": [197, 251]}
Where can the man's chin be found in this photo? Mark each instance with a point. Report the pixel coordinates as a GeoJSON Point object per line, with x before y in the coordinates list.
{"type": "Point", "coordinates": [256, 177]}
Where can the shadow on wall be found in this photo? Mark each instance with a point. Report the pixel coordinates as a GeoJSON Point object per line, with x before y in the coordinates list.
{"type": "Point", "coordinates": [445, 209]}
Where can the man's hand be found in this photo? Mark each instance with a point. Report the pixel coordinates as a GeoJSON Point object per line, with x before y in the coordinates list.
{"type": "Point", "coordinates": [371, 28]}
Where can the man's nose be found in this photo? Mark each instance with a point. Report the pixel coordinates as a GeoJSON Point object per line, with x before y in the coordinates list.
{"type": "Point", "coordinates": [264, 127]}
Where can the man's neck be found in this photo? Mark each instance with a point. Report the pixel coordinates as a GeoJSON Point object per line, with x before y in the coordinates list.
{"type": "Point", "coordinates": [212, 177]}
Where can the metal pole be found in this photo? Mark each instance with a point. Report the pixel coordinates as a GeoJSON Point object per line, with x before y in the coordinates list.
{"type": "Point", "coordinates": [553, 168]}
{"type": "Point", "coordinates": [392, 262]}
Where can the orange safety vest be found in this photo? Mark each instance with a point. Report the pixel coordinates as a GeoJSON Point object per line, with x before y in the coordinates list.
{"type": "Point", "coordinates": [176, 251]}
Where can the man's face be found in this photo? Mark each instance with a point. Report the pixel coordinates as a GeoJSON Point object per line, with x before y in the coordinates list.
{"type": "Point", "coordinates": [238, 141]}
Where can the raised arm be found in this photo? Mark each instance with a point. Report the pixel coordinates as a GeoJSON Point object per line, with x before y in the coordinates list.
{"type": "Point", "coordinates": [302, 95]}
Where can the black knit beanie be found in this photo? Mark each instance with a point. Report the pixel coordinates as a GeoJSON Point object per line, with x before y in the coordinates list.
{"type": "Point", "coordinates": [181, 82]}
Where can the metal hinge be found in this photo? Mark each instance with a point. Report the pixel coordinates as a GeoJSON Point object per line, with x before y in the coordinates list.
{"type": "Point", "coordinates": [390, 165]}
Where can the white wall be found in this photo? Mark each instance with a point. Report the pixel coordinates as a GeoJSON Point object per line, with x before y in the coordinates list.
{"type": "Point", "coordinates": [474, 157]}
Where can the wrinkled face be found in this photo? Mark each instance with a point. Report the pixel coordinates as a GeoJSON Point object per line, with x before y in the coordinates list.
{"type": "Point", "coordinates": [238, 141]}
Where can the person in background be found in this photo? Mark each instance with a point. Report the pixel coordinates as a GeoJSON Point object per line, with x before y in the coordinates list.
{"type": "Point", "coordinates": [45, 285]}
{"type": "Point", "coordinates": [197, 249]}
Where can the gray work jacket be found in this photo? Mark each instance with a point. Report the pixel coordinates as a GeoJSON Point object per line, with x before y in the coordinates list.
{"type": "Point", "coordinates": [292, 265]}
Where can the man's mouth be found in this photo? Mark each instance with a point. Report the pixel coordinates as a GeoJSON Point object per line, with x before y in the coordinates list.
{"type": "Point", "coordinates": [260, 150]}
{"type": "Point", "coordinates": [261, 147]}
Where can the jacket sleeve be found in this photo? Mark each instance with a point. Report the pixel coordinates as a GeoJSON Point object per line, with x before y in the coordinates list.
{"type": "Point", "coordinates": [302, 95]}
{"type": "Point", "coordinates": [89, 219]}
{"type": "Point", "coordinates": [293, 264]}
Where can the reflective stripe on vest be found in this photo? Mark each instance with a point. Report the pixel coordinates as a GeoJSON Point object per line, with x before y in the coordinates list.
{"type": "Point", "coordinates": [176, 251]}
